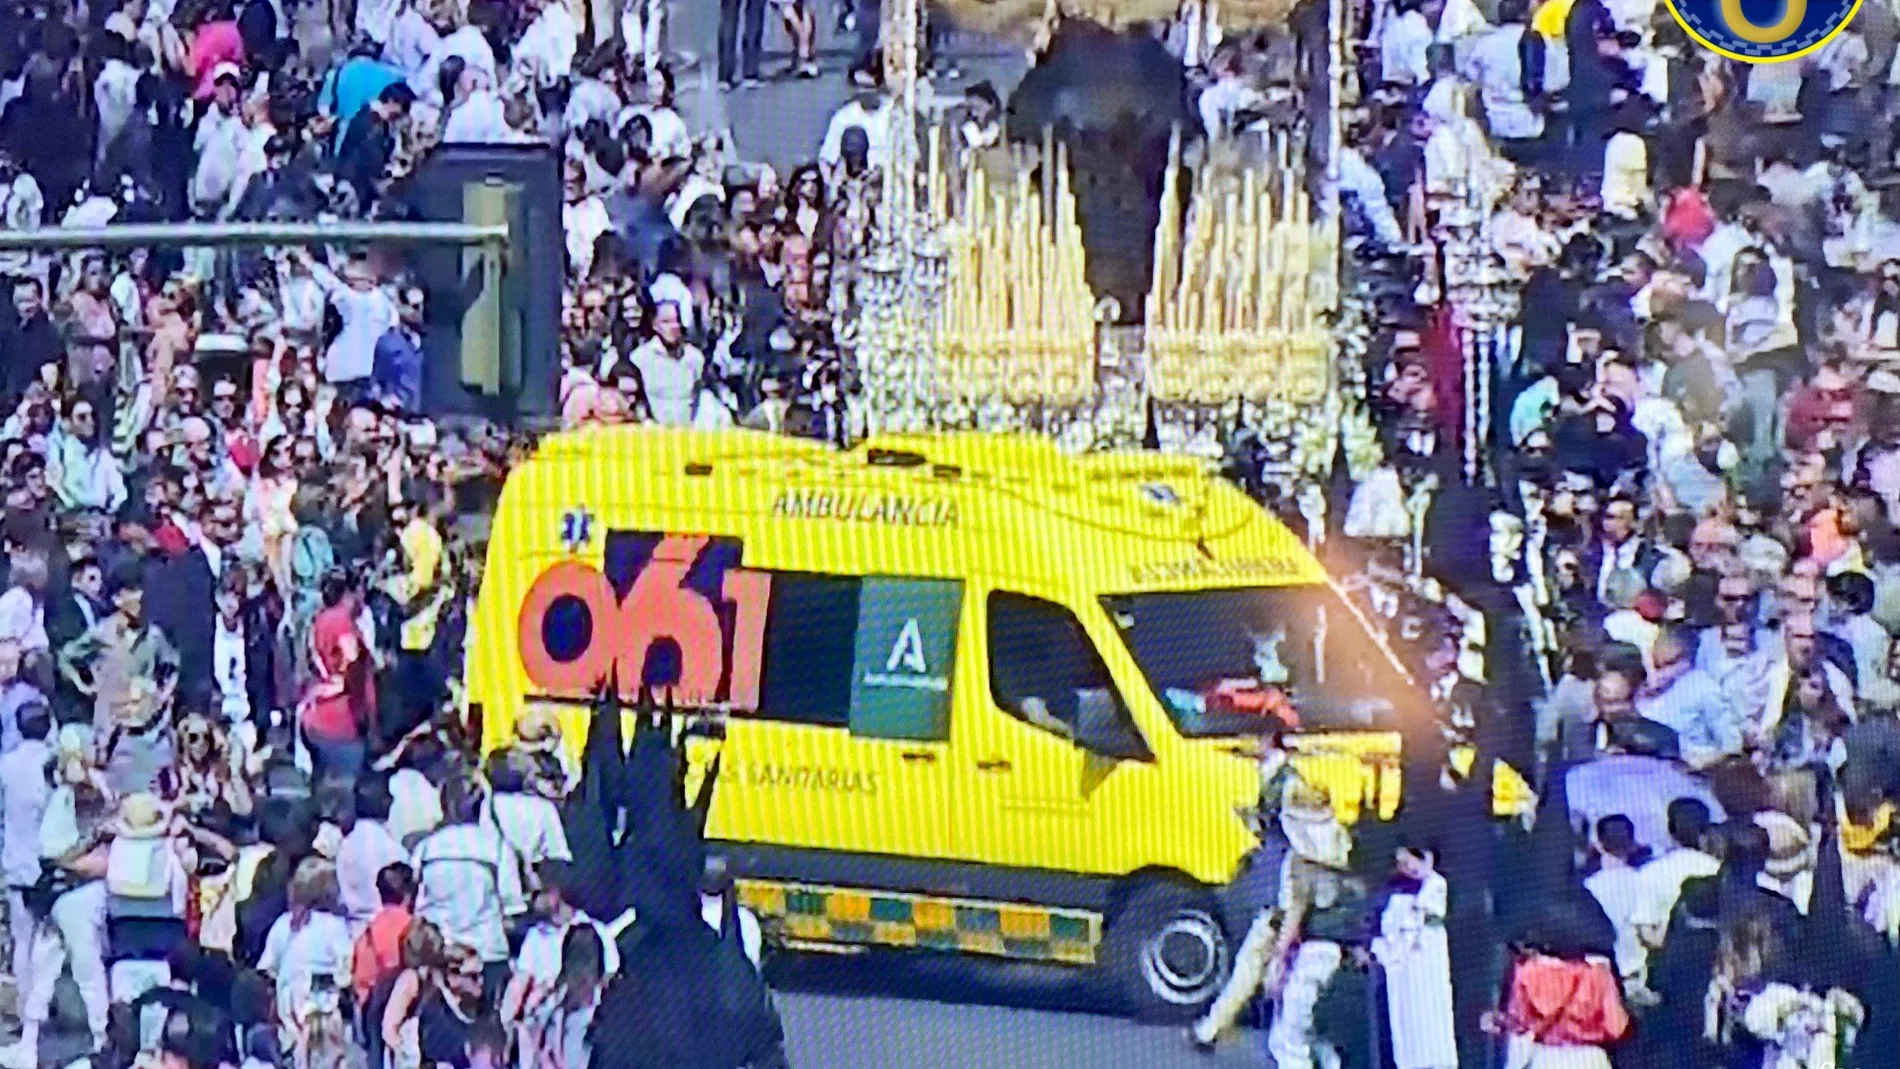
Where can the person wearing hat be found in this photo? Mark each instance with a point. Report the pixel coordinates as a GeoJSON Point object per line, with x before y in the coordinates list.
{"type": "Point", "coordinates": [146, 886]}
{"type": "Point", "coordinates": [538, 739]}
{"type": "Point", "coordinates": [220, 142]}
{"type": "Point", "coordinates": [1292, 947]}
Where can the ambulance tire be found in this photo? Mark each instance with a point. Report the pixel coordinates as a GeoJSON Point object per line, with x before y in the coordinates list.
{"type": "Point", "coordinates": [1165, 954]}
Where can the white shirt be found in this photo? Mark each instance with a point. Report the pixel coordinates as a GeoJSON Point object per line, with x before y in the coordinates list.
{"type": "Point", "coordinates": [540, 956]}
{"type": "Point", "coordinates": [1495, 67]}
{"type": "Point", "coordinates": [465, 884]}
{"type": "Point", "coordinates": [1662, 883]}
{"type": "Point", "coordinates": [322, 947]}
{"type": "Point", "coordinates": [584, 222]}
{"type": "Point", "coordinates": [114, 96]}
{"type": "Point", "coordinates": [411, 42]}
{"type": "Point", "coordinates": [670, 141]}
{"type": "Point", "coordinates": [713, 910]}
{"type": "Point", "coordinates": [531, 825]}
{"type": "Point", "coordinates": [1718, 256]}
{"type": "Point", "coordinates": [23, 620]}
{"type": "Point", "coordinates": [547, 47]}
{"type": "Point", "coordinates": [877, 129]}
{"type": "Point", "coordinates": [1619, 890]}
{"type": "Point", "coordinates": [366, 851]}
{"type": "Point", "coordinates": [23, 793]}
{"type": "Point", "coordinates": [301, 299]}
{"type": "Point", "coordinates": [1625, 175]}
{"type": "Point", "coordinates": [376, 19]}
{"type": "Point", "coordinates": [415, 804]}
{"type": "Point", "coordinates": [1405, 52]}
{"type": "Point", "coordinates": [227, 665]}
{"type": "Point", "coordinates": [467, 43]}
{"type": "Point", "coordinates": [591, 98]}
{"type": "Point", "coordinates": [367, 315]}
{"type": "Point", "coordinates": [482, 119]}
{"type": "Point", "coordinates": [219, 144]}
{"type": "Point", "coordinates": [671, 382]}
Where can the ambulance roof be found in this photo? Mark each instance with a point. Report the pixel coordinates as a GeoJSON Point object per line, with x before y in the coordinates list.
{"type": "Point", "coordinates": [1007, 504]}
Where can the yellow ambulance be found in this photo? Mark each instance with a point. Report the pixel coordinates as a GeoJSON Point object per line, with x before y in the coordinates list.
{"type": "Point", "coordinates": [981, 696]}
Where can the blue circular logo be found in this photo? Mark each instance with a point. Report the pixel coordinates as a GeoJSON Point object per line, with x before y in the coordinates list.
{"type": "Point", "coordinates": [1763, 31]}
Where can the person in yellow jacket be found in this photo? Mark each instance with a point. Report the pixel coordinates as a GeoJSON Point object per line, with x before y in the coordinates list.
{"type": "Point", "coordinates": [420, 586]}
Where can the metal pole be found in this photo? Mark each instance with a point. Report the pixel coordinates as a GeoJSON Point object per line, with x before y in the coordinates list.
{"type": "Point", "coordinates": [236, 234]}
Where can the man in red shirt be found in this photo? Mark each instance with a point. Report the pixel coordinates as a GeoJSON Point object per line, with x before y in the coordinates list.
{"type": "Point", "coordinates": [341, 702]}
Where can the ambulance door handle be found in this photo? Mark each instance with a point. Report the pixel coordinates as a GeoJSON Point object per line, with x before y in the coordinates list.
{"type": "Point", "coordinates": [919, 757]}
{"type": "Point", "coordinates": [994, 764]}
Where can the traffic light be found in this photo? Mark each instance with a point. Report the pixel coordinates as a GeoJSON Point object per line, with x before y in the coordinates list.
{"type": "Point", "coordinates": [492, 323]}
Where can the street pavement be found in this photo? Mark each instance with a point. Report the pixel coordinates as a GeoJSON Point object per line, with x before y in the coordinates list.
{"type": "Point", "coordinates": [886, 1012]}
{"type": "Point", "coordinates": [782, 121]}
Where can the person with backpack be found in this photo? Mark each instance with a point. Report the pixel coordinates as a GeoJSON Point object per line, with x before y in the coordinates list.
{"type": "Point", "coordinates": [146, 888]}
{"type": "Point", "coordinates": [378, 954]}
{"type": "Point", "coordinates": [308, 952]}
{"type": "Point", "coordinates": [467, 881]}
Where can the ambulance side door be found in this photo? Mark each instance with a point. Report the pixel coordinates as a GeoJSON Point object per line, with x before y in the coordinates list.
{"type": "Point", "coordinates": [1032, 792]}
{"type": "Point", "coordinates": [845, 753]}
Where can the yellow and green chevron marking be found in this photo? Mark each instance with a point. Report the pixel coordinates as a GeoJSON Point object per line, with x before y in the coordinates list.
{"type": "Point", "coordinates": [855, 917]}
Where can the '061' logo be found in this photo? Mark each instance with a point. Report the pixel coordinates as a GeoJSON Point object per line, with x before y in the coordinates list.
{"type": "Point", "coordinates": [1763, 31]}
{"type": "Point", "coordinates": [670, 612]}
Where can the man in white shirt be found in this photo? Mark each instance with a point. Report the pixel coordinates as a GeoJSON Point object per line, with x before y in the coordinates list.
{"type": "Point", "coordinates": [545, 52]}
{"type": "Point", "coordinates": [477, 115]}
{"type": "Point", "coordinates": [1618, 888]}
{"type": "Point", "coordinates": [670, 368]}
{"type": "Point", "coordinates": [23, 606]}
{"type": "Point", "coordinates": [220, 144]}
{"type": "Point", "coordinates": [870, 109]}
{"type": "Point", "coordinates": [1663, 877]}
{"type": "Point", "coordinates": [529, 823]}
{"type": "Point", "coordinates": [1405, 47]}
{"type": "Point", "coordinates": [466, 883]}
{"type": "Point", "coordinates": [367, 312]}
{"type": "Point", "coordinates": [24, 789]}
{"type": "Point", "coordinates": [365, 852]}
{"type": "Point", "coordinates": [1496, 67]}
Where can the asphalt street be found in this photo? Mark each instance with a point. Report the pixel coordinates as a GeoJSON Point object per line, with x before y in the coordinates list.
{"type": "Point", "coordinates": [783, 120]}
{"type": "Point", "coordinates": [880, 1012]}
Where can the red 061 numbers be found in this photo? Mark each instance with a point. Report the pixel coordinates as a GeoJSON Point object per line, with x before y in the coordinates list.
{"type": "Point", "coordinates": [658, 607]}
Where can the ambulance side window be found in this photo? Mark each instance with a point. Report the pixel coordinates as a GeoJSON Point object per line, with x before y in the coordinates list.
{"type": "Point", "coordinates": [1043, 668]}
{"type": "Point", "coordinates": [810, 632]}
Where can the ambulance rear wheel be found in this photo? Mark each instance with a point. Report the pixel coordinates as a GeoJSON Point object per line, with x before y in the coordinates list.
{"type": "Point", "coordinates": [1165, 954]}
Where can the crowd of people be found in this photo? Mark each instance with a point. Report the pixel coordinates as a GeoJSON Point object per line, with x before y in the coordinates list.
{"type": "Point", "coordinates": [240, 576]}
{"type": "Point", "coordinates": [238, 804]}
{"type": "Point", "coordinates": [1680, 629]}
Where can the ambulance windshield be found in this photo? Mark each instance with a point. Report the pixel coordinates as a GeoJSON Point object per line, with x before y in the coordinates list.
{"type": "Point", "coordinates": [1220, 660]}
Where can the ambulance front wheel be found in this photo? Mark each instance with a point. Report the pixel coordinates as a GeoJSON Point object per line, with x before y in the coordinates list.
{"type": "Point", "coordinates": [1165, 954]}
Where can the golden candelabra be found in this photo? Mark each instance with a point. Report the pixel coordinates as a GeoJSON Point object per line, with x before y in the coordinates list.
{"type": "Point", "coordinates": [1018, 316]}
{"type": "Point", "coordinates": [1239, 288]}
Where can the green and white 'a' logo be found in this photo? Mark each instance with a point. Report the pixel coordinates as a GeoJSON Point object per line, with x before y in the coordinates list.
{"type": "Point", "coordinates": [908, 651]}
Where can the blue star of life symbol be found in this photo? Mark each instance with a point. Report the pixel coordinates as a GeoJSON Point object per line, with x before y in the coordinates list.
{"type": "Point", "coordinates": [577, 529]}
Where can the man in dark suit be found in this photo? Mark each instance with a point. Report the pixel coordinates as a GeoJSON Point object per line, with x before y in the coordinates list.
{"type": "Point", "coordinates": [1619, 546]}
{"type": "Point", "coordinates": [183, 600]}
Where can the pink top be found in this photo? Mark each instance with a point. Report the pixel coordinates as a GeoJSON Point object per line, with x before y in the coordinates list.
{"type": "Point", "coordinates": [216, 42]}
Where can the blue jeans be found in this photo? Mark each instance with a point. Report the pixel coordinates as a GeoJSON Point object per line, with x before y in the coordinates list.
{"type": "Point", "coordinates": [334, 759]}
{"type": "Point", "coordinates": [1761, 388]}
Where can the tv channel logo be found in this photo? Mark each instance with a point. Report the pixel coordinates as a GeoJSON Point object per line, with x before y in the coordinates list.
{"type": "Point", "coordinates": [1763, 31]}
